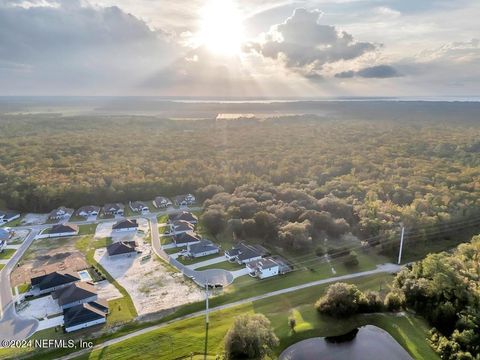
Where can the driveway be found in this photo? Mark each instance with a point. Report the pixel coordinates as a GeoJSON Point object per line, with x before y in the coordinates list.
{"type": "Point", "coordinates": [40, 308]}
{"type": "Point", "coordinates": [207, 262]}
{"type": "Point", "coordinates": [50, 323]}
{"type": "Point", "coordinates": [238, 273]}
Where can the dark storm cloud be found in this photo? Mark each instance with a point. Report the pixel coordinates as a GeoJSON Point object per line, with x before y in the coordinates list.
{"type": "Point", "coordinates": [378, 72]}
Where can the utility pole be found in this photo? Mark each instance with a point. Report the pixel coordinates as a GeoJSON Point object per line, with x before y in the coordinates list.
{"type": "Point", "coordinates": [206, 320]}
{"type": "Point", "coordinates": [401, 245]}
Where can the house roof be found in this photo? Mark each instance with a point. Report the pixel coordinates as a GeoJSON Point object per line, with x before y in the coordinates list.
{"type": "Point", "coordinates": [162, 200]}
{"type": "Point", "coordinates": [81, 314]}
{"type": "Point", "coordinates": [187, 237]}
{"type": "Point", "coordinates": [244, 251]}
{"type": "Point", "coordinates": [113, 207]}
{"type": "Point", "coordinates": [63, 228]}
{"type": "Point", "coordinates": [138, 205]}
{"type": "Point", "coordinates": [184, 215]}
{"type": "Point", "coordinates": [4, 234]}
{"type": "Point", "coordinates": [88, 209]}
{"type": "Point", "coordinates": [202, 246]}
{"type": "Point", "coordinates": [76, 291]}
{"type": "Point", "coordinates": [265, 263]}
{"type": "Point", "coordinates": [8, 214]}
{"type": "Point", "coordinates": [61, 211]}
{"type": "Point", "coordinates": [182, 225]}
{"type": "Point", "coordinates": [53, 279]}
{"type": "Point", "coordinates": [121, 247]}
{"type": "Point", "coordinates": [125, 224]}
{"type": "Point", "coordinates": [186, 197]}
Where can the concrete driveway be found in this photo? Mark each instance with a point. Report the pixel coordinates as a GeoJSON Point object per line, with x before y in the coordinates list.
{"type": "Point", "coordinates": [238, 273]}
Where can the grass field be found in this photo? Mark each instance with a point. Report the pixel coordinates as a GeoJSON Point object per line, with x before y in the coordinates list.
{"type": "Point", "coordinates": [186, 337]}
{"type": "Point", "coordinates": [190, 261]}
{"type": "Point", "coordinates": [173, 250]}
{"type": "Point", "coordinates": [7, 254]}
{"type": "Point", "coordinates": [88, 229]}
{"type": "Point", "coordinates": [226, 265]}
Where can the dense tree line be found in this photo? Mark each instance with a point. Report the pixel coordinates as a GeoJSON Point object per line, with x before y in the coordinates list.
{"type": "Point", "coordinates": [421, 172]}
{"type": "Point", "coordinates": [445, 288]}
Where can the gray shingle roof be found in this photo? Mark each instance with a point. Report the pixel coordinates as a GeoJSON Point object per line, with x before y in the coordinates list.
{"type": "Point", "coordinates": [122, 247]}
{"type": "Point", "coordinates": [54, 279]}
{"type": "Point", "coordinates": [81, 314]}
{"type": "Point", "coordinates": [74, 292]}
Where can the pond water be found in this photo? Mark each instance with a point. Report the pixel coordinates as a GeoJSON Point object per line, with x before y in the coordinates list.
{"type": "Point", "coordinates": [367, 343]}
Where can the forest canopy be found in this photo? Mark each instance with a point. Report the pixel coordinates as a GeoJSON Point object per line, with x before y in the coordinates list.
{"type": "Point", "coordinates": [361, 175]}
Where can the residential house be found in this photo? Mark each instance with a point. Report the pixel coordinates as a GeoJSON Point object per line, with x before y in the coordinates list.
{"type": "Point", "coordinates": [203, 248]}
{"type": "Point", "coordinates": [184, 200]}
{"type": "Point", "coordinates": [75, 294]}
{"type": "Point", "coordinates": [161, 202]}
{"type": "Point", "coordinates": [185, 216]}
{"type": "Point", "coordinates": [181, 226]}
{"type": "Point", "coordinates": [139, 206]}
{"type": "Point", "coordinates": [244, 253]}
{"type": "Point", "coordinates": [7, 216]}
{"type": "Point", "coordinates": [87, 211]}
{"type": "Point", "coordinates": [114, 209]}
{"type": "Point", "coordinates": [62, 213]}
{"type": "Point", "coordinates": [263, 268]}
{"type": "Point", "coordinates": [53, 281]}
{"type": "Point", "coordinates": [186, 238]}
{"type": "Point", "coordinates": [5, 234]}
{"type": "Point", "coordinates": [121, 248]}
{"type": "Point", "coordinates": [85, 315]}
{"type": "Point", "coordinates": [125, 225]}
{"type": "Point", "coordinates": [61, 230]}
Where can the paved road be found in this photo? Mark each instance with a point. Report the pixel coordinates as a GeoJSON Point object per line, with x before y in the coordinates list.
{"type": "Point", "coordinates": [385, 268]}
{"type": "Point", "coordinates": [201, 278]}
{"type": "Point", "coordinates": [12, 326]}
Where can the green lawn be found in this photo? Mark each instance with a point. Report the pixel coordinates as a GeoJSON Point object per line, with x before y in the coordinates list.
{"type": "Point", "coordinates": [164, 240]}
{"type": "Point", "coordinates": [189, 261]}
{"type": "Point", "coordinates": [87, 229]}
{"type": "Point", "coordinates": [185, 337]}
{"type": "Point", "coordinates": [173, 250]}
{"type": "Point", "coordinates": [23, 288]}
{"type": "Point", "coordinates": [226, 265]}
{"type": "Point", "coordinates": [2, 266]}
{"type": "Point", "coordinates": [7, 254]}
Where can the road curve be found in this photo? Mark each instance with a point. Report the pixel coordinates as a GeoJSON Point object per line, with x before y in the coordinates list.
{"type": "Point", "coordinates": [385, 268]}
{"type": "Point", "coordinates": [13, 326]}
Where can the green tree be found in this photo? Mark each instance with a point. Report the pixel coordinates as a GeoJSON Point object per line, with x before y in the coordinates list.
{"type": "Point", "coordinates": [250, 337]}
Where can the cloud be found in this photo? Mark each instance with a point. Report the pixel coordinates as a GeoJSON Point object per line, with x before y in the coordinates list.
{"type": "Point", "coordinates": [378, 71]}
{"type": "Point", "coordinates": [52, 46]}
{"type": "Point", "coordinates": [305, 45]}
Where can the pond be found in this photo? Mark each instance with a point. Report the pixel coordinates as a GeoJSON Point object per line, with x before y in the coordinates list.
{"type": "Point", "coordinates": [367, 343]}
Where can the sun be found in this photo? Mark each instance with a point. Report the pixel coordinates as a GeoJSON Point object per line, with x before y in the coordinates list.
{"type": "Point", "coordinates": [221, 28]}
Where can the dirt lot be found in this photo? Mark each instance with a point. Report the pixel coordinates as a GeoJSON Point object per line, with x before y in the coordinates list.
{"type": "Point", "coordinates": [151, 286]}
{"type": "Point", "coordinates": [34, 219]}
{"type": "Point", "coordinates": [105, 230]}
{"type": "Point", "coordinates": [18, 237]}
{"type": "Point", "coordinates": [48, 255]}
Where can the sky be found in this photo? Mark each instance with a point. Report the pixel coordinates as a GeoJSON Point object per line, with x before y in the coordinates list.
{"type": "Point", "coordinates": [269, 48]}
